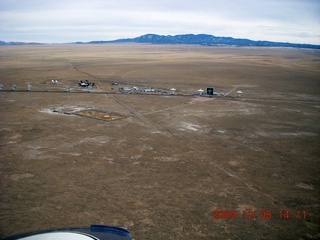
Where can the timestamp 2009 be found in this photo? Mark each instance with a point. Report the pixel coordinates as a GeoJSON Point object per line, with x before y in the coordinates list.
{"type": "Point", "coordinates": [258, 214]}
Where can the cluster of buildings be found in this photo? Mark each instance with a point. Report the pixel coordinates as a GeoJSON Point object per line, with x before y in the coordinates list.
{"type": "Point", "coordinates": [144, 90]}
{"type": "Point", "coordinates": [208, 92]}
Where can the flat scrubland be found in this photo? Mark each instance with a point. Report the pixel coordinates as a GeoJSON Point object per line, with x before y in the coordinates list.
{"type": "Point", "coordinates": [163, 169]}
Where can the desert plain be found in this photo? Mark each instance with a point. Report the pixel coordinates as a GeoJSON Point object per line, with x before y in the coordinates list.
{"type": "Point", "coordinates": [169, 163]}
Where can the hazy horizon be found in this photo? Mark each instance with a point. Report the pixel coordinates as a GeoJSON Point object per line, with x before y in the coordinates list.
{"type": "Point", "coordinates": [102, 40]}
{"type": "Point", "coordinates": [67, 21]}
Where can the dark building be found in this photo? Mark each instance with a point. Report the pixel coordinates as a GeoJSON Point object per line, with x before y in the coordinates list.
{"type": "Point", "coordinates": [210, 90]}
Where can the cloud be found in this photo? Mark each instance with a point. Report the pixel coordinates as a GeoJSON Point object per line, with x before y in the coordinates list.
{"type": "Point", "coordinates": [82, 20]}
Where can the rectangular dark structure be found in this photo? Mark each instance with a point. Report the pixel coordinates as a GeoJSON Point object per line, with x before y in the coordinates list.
{"type": "Point", "coordinates": [210, 90]}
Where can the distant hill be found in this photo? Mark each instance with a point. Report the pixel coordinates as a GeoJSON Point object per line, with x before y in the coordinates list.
{"type": "Point", "coordinates": [204, 39]}
{"type": "Point", "coordinates": [199, 39]}
{"type": "Point", "coordinates": [2, 43]}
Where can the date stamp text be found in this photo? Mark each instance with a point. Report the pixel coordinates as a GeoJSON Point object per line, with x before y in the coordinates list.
{"type": "Point", "coordinates": [257, 214]}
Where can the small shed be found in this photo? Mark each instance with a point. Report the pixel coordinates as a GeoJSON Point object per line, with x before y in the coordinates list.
{"type": "Point", "coordinates": [210, 90]}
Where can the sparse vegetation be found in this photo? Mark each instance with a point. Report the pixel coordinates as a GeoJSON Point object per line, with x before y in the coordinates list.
{"type": "Point", "coordinates": [163, 169]}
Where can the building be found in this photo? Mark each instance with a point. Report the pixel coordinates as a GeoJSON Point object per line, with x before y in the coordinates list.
{"type": "Point", "coordinates": [210, 90]}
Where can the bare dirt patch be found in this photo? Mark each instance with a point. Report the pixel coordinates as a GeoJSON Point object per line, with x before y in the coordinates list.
{"type": "Point", "coordinates": [85, 112]}
{"type": "Point", "coordinates": [100, 115]}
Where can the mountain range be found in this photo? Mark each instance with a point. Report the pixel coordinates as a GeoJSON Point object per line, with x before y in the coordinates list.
{"type": "Point", "coordinates": [2, 43]}
{"type": "Point", "coordinates": [199, 39]}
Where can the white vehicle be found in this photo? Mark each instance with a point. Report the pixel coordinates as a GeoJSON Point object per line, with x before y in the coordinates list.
{"type": "Point", "coordinates": [94, 232]}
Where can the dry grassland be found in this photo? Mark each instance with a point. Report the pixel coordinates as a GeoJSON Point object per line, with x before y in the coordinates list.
{"type": "Point", "coordinates": [171, 161]}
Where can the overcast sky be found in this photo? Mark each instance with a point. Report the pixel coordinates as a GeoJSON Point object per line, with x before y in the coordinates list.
{"type": "Point", "coordinates": [59, 21]}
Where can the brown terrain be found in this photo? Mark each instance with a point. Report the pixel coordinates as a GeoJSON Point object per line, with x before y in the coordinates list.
{"type": "Point", "coordinates": [157, 164]}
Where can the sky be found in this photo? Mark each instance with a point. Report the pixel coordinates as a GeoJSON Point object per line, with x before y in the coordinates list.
{"type": "Point", "coordinates": [62, 21]}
